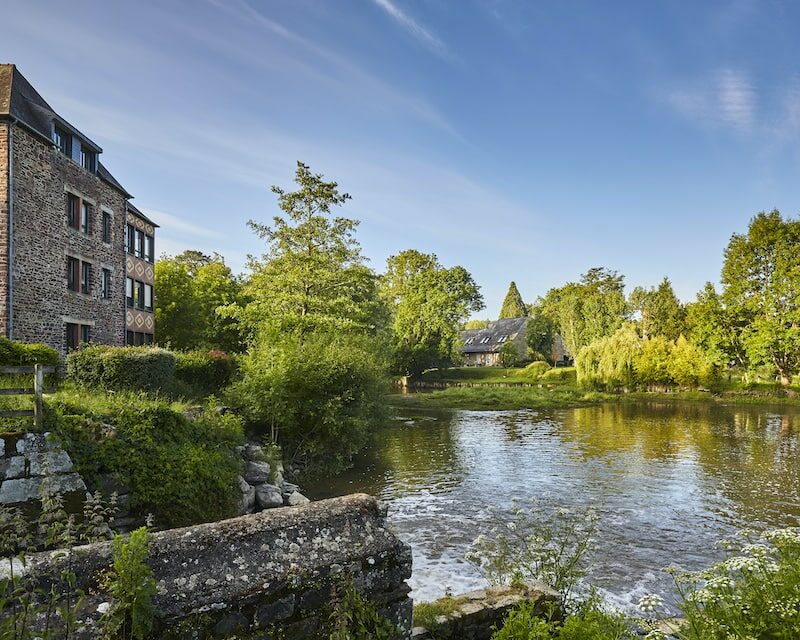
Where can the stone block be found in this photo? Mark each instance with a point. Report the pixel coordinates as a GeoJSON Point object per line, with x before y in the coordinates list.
{"type": "Point", "coordinates": [257, 472]}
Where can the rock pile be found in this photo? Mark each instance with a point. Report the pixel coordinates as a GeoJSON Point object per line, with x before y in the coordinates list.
{"type": "Point", "coordinates": [263, 485]}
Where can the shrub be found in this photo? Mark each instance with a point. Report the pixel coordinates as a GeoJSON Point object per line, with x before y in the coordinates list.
{"type": "Point", "coordinates": [651, 363]}
{"type": "Point", "coordinates": [752, 594]}
{"type": "Point", "coordinates": [536, 369]}
{"type": "Point", "coordinates": [524, 623]}
{"type": "Point", "coordinates": [181, 470]}
{"type": "Point", "coordinates": [509, 354]}
{"type": "Point", "coordinates": [122, 368]}
{"type": "Point", "coordinates": [13, 354]}
{"type": "Point", "coordinates": [204, 372]}
{"type": "Point", "coordinates": [318, 397]}
{"type": "Point", "coordinates": [689, 366]}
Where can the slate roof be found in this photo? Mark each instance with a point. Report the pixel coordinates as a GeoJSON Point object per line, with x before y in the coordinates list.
{"type": "Point", "coordinates": [491, 339]}
{"type": "Point", "coordinates": [20, 101]}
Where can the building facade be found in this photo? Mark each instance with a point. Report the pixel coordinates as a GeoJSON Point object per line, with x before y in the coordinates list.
{"type": "Point", "coordinates": [140, 277]}
{"type": "Point", "coordinates": [483, 347]}
{"type": "Point", "coordinates": [63, 230]}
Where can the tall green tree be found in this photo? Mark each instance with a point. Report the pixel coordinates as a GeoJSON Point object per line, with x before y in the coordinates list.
{"type": "Point", "coordinates": [312, 276]}
{"type": "Point", "coordinates": [717, 329]}
{"type": "Point", "coordinates": [761, 284]}
{"type": "Point", "coordinates": [587, 310]}
{"type": "Point", "coordinates": [191, 290]}
{"type": "Point", "coordinates": [540, 334]}
{"type": "Point", "coordinates": [662, 314]}
{"type": "Point", "coordinates": [428, 303]}
{"type": "Point", "coordinates": [513, 305]}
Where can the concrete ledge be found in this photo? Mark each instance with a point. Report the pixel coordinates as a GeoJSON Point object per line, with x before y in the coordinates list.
{"type": "Point", "coordinates": [247, 574]}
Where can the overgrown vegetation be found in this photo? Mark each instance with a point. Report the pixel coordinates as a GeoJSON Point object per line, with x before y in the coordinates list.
{"type": "Point", "coordinates": [132, 586]}
{"type": "Point", "coordinates": [122, 368]}
{"type": "Point", "coordinates": [355, 618]}
{"type": "Point", "coordinates": [182, 470]}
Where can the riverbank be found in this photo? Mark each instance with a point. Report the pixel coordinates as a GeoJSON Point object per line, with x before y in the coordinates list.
{"type": "Point", "coordinates": [489, 397]}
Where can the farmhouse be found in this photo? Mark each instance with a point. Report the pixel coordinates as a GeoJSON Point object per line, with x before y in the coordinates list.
{"type": "Point", "coordinates": [482, 347]}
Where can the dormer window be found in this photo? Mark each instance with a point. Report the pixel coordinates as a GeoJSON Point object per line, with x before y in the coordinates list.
{"type": "Point", "coordinates": [88, 160]}
{"type": "Point", "coordinates": [486, 339]}
{"type": "Point", "coordinates": [63, 140]}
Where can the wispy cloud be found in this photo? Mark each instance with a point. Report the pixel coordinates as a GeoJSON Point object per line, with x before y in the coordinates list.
{"type": "Point", "coordinates": [170, 222]}
{"type": "Point", "coordinates": [727, 100]}
{"type": "Point", "coordinates": [414, 28]}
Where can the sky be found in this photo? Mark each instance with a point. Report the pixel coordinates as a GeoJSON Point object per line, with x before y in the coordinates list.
{"type": "Point", "coordinates": [524, 140]}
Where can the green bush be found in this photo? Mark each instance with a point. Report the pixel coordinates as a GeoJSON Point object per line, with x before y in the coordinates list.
{"type": "Point", "coordinates": [524, 623]}
{"type": "Point", "coordinates": [204, 372]}
{"type": "Point", "coordinates": [181, 470]}
{"type": "Point", "coordinates": [13, 354]}
{"type": "Point", "coordinates": [651, 363]}
{"type": "Point", "coordinates": [559, 374]}
{"type": "Point", "coordinates": [122, 368]}
{"type": "Point", "coordinates": [319, 397]}
{"type": "Point", "coordinates": [535, 369]}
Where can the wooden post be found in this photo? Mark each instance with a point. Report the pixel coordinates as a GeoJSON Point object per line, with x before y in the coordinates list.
{"type": "Point", "coordinates": [38, 389]}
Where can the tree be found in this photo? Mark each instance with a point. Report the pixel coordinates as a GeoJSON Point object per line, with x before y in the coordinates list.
{"type": "Point", "coordinates": [761, 286]}
{"type": "Point", "coordinates": [587, 310]}
{"type": "Point", "coordinates": [513, 305]}
{"type": "Point", "coordinates": [191, 289]}
{"type": "Point", "coordinates": [608, 362]}
{"type": "Point", "coordinates": [717, 329]}
{"type": "Point", "coordinates": [476, 324]}
{"type": "Point", "coordinates": [540, 335]}
{"type": "Point", "coordinates": [428, 302]}
{"type": "Point", "coordinates": [662, 314]}
{"type": "Point", "coordinates": [312, 276]}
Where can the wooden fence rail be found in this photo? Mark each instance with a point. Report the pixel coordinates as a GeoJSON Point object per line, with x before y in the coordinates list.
{"type": "Point", "coordinates": [37, 390]}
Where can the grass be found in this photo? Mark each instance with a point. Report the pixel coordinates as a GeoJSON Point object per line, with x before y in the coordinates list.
{"type": "Point", "coordinates": [522, 376]}
{"type": "Point", "coordinates": [426, 613]}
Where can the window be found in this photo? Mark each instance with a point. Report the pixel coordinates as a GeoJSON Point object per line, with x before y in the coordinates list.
{"type": "Point", "coordinates": [469, 340]}
{"type": "Point", "coordinates": [73, 268]}
{"type": "Point", "coordinates": [139, 294]}
{"type": "Point", "coordinates": [86, 277]}
{"type": "Point", "coordinates": [73, 336]}
{"type": "Point", "coordinates": [77, 334]}
{"type": "Point", "coordinates": [63, 141]}
{"type": "Point", "coordinates": [88, 160]}
{"type": "Point", "coordinates": [130, 238]}
{"type": "Point", "coordinates": [486, 339]}
{"type": "Point", "coordinates": [106, 284]}
{"type": "Point", "coordinates": [149, 248]}
{"type": "Point", "coordinates": [86, 213]}
{"type": "Point", "coordinates": [106, 227]}
{"type": "Point", "coordinates": [502, 339]}
{"type": "Point", "coordinates": [73, 210]}
{"type": "Point", "coordinates": [137, 338]}
{"type": "Point", "coordinates": [139, 253]}
{"type": "Point", "coordinates": [148, 297]}
{"type": "Point", "coordinates": [129, 291]}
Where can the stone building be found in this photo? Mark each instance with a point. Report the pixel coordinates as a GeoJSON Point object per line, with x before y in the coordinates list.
{"type": "Point", "coordinates": [64, 232]}
{"type": "Point", "coordinates": [483, 347]}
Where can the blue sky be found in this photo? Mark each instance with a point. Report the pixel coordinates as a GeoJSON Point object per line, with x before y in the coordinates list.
{"type": "Point", "coordinates": [523, 140]}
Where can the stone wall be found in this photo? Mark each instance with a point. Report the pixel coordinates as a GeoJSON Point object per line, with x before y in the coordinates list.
{"type": "Point", "coordinates": [34, 465]}
{"type": "Point", "coordinates": [42, 240]}
{"type": "Point", "coordinates": [473, 615]}
{"type": "Point", "coordinates": [248, 576]}
{"type": "Point", "coordinates": [4, 168]}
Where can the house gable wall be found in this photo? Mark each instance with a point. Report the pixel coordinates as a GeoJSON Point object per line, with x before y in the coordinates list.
{"type": "Point", "coordinates": [4, 203]}
{"type": "Point", "coordinates": [42, 240]}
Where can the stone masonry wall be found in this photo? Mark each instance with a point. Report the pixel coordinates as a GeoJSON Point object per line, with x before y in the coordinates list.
{"type": "Point", "coordinates": [43, 239]}
{"type": "Point", "coordinates": [4, 166]}
{"type": "Point", "coordinates": [265, 575]}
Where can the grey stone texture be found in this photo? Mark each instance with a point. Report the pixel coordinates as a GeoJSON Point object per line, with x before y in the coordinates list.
{"type": "Point", "coordinates": [42, 240]}
{"type": "Point", "coordinates": [255, 573]}
{"type": "Point", "coordinates": [478, 611]}
{"type": "Point", "coordinates": [34, 465]}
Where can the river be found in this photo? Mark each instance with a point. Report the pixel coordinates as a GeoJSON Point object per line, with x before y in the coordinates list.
{"type": "Point", "coordinates": [668, 480]}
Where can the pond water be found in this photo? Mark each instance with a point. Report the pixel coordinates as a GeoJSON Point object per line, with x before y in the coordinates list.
{"type": "Point", "coordinates": [667, 479]}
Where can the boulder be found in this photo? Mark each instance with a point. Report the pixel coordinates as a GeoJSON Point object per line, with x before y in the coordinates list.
{"type": "Point", "coordinates": [247, 500]}
{"type": "Point", "coordinates": [257, 472]}
{"type": "Point", "coordinates": [268, 496]}
{"type": "Point", "coordinates": [296, 499]}
{"type": "Point", "coordinates": [289, 489]}
{"type": "Point", "coordinates": [254, 451]}
{"type": "Point", "coordinates": [25, 489]}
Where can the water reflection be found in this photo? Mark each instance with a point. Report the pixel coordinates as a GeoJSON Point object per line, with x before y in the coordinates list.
{"type": "Point", "coordinates": [667, 479]}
